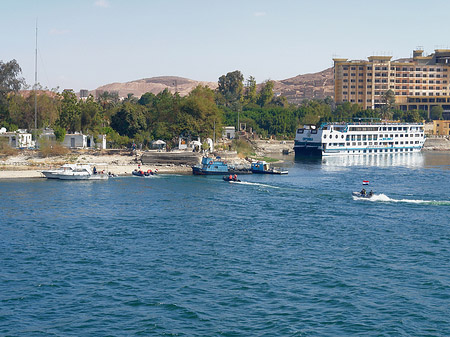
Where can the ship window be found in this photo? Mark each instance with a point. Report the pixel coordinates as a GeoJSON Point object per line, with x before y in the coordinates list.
{"type": "Point", "coordinates": [314, 131]}
{"type": "Point", "coordinates": [331, 136]}
{"type": "Point", "coordinates": [337, 136]}
{"type": "Point", "coordinates": [300, 131]}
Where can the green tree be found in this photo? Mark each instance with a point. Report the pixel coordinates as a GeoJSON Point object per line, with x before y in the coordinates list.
{"type": "Point", "coordinates": [230, 88]}
{"type": "Point", "coordinates": [388, 100]}
{"type": "Point", "coordinates": [250, 90]}
{"type": "Point", "coordinates": [9, 82]}
{"type": "Point", "coordinates": [266, 94]}
{"type": "Point", "coordinates": [436, 112]}
{"type": "Point", "coordinates": [147, 99]}
{"type": "Point", "coordinates": [129, 120]}
{"type": "Point", "coordinates": [91, 115]}
{"type": "Point", "coordinates": [70, 116]}
{"type": "Point", "coordinates": [412, 116]}
{"type": "Point", "coordinates": [60, 133]}
{"type": "Point", "coordinates": [199, 112]}
{"type": "Point", "coordinates": [108, 99]}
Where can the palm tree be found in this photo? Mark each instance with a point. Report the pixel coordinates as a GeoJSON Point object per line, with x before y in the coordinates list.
{"type": "Point", "coordinates": [388, 99]}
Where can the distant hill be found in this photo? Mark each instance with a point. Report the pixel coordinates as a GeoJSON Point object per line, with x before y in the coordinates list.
{"type": "Point", "coordinates": [154, 85]}
{"type": "Point", "coordinates": [307, 86]}
{"type": "Point", "coordinates": [296, 89]}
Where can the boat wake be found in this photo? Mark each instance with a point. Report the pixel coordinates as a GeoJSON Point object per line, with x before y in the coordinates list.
{"type": "Point", "coordinates": [254, 184]}
{"type": "Point", "coordinates": [385, 198]}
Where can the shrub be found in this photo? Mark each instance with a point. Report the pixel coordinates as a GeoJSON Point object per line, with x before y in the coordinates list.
{"type": "Point", "coordinates": [51, 149]}
{"type": "Point", "coordinates": [242, 147]}
{"type": "Point", "coordinates": [5, 149]}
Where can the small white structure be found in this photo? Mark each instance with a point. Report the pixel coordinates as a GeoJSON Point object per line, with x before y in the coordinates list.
{"type": "Point", "coordinates": [210, 144]}
{"type": "Point", "coordinates": [229, 132]}
{"type": "Point", "coordinates": [75, 140]}
{"type": "Point", "coordinates": [159, 144]}
{"type": "Point", "coordinates": [195, 145]}
{"type": "Point", "coordinates": [182, 143]}
{"type": "Point", "coordinates": [19, 139]}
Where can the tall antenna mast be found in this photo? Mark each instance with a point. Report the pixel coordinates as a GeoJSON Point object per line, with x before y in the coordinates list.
{"type": "Point", "coordinates": [35, 82]}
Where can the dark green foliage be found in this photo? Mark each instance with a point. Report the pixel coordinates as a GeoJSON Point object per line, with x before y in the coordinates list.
{"type": "Point", "coordinates": [436, 112]}
{"type": "Point", "coordinates": [129, 120]}
{"type": "Point", "coordinates": [266, 94]}
{"type": "Point", "coordinates": [70, 116]}
{"type": "Point", "coordinates": [9, 82]}
{"type": "Point", "coordinates": [60, 133]}
{"type": "Point", "coordinates": [230, 90]}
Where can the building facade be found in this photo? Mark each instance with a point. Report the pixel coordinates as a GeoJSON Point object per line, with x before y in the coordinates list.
{"type": "Point", "coordinates": [418, 83]}
{"type": "Point", "coordinates": [19, 139]}
{"type": "Point", "coordinates": [441, 127]}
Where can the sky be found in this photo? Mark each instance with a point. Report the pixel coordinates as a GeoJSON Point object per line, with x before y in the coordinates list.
{"type": "Point", "coordinates": [83, 44]}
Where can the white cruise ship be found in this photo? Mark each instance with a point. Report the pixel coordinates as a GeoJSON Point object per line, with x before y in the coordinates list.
{"type": "Point", "coordinates": [333, 139]}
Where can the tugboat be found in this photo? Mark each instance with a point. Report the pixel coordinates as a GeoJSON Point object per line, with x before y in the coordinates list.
{"type": "Point", "coordinates": [262, 167]}
{"type": "Point", "coordinates": [210, 166]}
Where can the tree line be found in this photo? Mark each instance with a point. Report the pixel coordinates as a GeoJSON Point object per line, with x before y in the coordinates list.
{"type": "Point", "coordinates": [167, 115]}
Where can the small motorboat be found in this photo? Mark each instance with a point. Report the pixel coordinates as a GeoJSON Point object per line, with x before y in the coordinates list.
{"type": "Point", "coordinates": [140, 173]}
{"type": "Point", "coordinates": [232, 179]}
{"type": "Point", "coordinates": [263, 168]}
{"type": "Point", "coordinates": [363, 195]}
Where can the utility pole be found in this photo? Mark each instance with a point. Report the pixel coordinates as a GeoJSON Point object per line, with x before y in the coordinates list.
{"type": "Point", "coordinates": [35, 83]}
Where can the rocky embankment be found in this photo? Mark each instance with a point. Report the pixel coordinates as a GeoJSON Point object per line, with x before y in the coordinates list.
{"type": "Point", "coordinates": [437, 144]}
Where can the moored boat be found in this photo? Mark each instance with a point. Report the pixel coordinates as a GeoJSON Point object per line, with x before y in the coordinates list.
{"type": "Point", "coordinates": [76, 172]}
{"type": "Point", "coordinates": [363, 138]}
{"type": "Point", "coordinates": [210, 166]}
{"type": "Point", "coordinates": [263, 167]}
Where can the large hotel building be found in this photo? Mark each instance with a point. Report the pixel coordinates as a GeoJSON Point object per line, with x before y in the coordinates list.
{"type": "Point", "coordinates": [418, 83]}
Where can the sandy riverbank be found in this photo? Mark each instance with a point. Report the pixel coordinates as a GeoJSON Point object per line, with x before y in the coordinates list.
{"type": "Point", "coordinates": [28, 165]}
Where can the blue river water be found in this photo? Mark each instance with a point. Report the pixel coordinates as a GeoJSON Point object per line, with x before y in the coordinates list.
{"type": "Point", "coordinates": [182, 255]}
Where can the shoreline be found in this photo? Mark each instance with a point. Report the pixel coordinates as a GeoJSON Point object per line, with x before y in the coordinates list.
{"type": "Point", "coordinates": [122, 166]}
{"type": "Point", "coordinates": [119, 170]}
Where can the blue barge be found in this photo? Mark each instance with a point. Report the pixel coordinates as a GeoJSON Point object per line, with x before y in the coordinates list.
{"type": "Point", "coordinates": [210, 166]}
{"type": "Point", "coordinates": [216, 166]}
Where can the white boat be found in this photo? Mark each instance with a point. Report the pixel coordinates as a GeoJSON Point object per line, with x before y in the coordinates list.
{"type": "Point", "coordinates": [76, 172]}
{"type": "Point", "coordinates": [333, 139]}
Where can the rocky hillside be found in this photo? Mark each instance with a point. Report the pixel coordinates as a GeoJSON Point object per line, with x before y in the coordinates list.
{"type": "Point", "coordinates": [307, 86]}
{"type": "Point", "coordinates": [154, 85]}
{"type": "Point", "coordinates": [296, 89]}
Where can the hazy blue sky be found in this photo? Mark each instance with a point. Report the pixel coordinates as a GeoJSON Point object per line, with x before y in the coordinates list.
{"type": "Point", "coordinates": [88, 43]}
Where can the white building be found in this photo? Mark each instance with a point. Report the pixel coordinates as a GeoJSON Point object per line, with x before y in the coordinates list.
{"type": "Point", "coordinates": [228, 132]}
{"type": "Point", "coordinates": [76, 140]}
{"type": "Point", "coordinates": [19, 139]}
